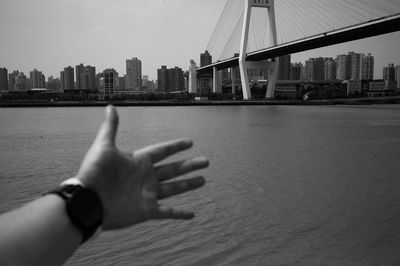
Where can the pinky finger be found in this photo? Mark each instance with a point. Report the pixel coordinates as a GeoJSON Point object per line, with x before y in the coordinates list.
{"type": "Point", "coordinates": [171, 213]}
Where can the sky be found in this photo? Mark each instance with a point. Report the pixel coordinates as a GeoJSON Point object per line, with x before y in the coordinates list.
{"type": "Point", "coordinates": [51, 34]}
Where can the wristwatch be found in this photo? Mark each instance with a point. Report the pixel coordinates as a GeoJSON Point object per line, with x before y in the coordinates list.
{"type": "Point", "coordinates": [83, 206]}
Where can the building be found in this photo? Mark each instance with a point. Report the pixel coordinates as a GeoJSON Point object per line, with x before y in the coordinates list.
{"type": "Point", "coordinates": [205, 59]}
{"type": "Point", "coordinates": [3, 78]}
{"type": "Point", "coordinates": [330, 69]}
{"type": "Point", "coordinates": [176, 80]}
{"type": "Point", "coordinates": [122, 84]}
{"type": "Point", "coordinates": [349, 66]}
{"type": "Point", "coordinates": [353, 86]}
{"type": "Point", "coordinates": [12, 78]}
{"type": "Point", "coordinates": [37, 79]}
{"type": "Point", "coordinates": [67, 78]}
{"type": "Point", "coordinates": [80, 78]}
{"type": "Point", "coordinates": [133, 81]}
{"type": "Point", "coordinates": [162, 79]}
{"type": "Point", "coordinates": [296, 70]}
{"type": "Point", "coordinates": [367, 67]}
{"type": "Point", "coordinates": [389, 72]}
{"type": "Point", "coordinates": [376, 88]}
{"type": "Point", "coordinates": [315, 69]}
{"type": "Point", "coordinates": [53, 84]}
{"type": "Point", "coordinates": [284, 67]}
{"type": "Point", "coordinates": [397, 76]}
{"type": "Point", "coordinates": [110, 83]}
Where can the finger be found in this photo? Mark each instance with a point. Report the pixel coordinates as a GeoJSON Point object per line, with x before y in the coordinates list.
{"type": "Point", "coordinates": [160, 151]}
{"type": "Point", "coordinates": [108, 129]}
{"type": "Point", "coordinates": [175, 169]}
{"type": "Point", "coordinates": [171, 213]}
{"type": "Point", "coordinates": [173, 188]}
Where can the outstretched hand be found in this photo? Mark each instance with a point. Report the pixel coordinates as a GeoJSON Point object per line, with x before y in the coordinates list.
{"type": "Point", "coordinates": [130, 184]}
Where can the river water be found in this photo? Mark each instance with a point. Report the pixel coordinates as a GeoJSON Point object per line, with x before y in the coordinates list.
{"type": "Point", "coordinates": [287, 185]}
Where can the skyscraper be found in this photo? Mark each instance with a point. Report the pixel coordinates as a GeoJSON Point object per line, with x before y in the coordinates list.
{"type": "Point", "coordinates": [284, 67]}
{"type": "Point", "coordinates": [315, 69]}
{"type": "Point", "coordinates": [68, 78]}
{"type": "Point", "coordinates": [349, 66]}
{"type": "Point", "coordinates": [162, 79]}
{"type": "Point", "coordinates": [37, 79]}
{"type": "Point", "coordinates": [111, 82]}
{"type": "Point", "coordinates": [330, 69]}
{"type": "Point", "coordinates": [205, 59]}
{"type": "Point", "coordinates": [133, 81]}
{"type": "Point", "coordinates": [389, 72]}
{"type": "Point", "coordinates": [79, 70]}
{"type": "Point", "coordinates": [3, 79]}
{"type": "Point", "coordinates": [397, 76]}
{"type": "Point", "coordinates": [12, 79]}
{"type": "Point", "coordinates": [367, 67]}
{"type": "Point", "coordinates": [296, 71]}
{"type": "Point", "coordinates": [192, 77]}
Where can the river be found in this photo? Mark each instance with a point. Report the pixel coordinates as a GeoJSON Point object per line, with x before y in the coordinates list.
{"type": "Point", "coordinates": [287, 185]}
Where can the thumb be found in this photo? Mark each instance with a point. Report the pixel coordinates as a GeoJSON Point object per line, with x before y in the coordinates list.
{"type": "Point", "coordinates": [108, 129]}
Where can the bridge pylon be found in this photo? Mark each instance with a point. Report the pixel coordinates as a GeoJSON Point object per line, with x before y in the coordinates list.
{"type": "Point", "coordinates": [244, 65]}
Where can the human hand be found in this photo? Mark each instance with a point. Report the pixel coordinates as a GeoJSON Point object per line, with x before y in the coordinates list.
{"type": "Point", "coordinates": [130, 184]}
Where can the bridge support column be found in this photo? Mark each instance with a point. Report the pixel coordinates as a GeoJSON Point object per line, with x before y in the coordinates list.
{"type": "Point", "coordinates": [245, 65]}
{"type": "Point", "coordinates": [216, 81]}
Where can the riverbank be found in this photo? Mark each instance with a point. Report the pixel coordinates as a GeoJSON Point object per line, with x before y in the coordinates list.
{"type": "Point", "coordinates": [349, 101]}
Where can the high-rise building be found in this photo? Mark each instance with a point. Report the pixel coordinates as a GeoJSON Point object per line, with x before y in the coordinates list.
{"type": "Point", "coordinates": [122, 84]}
{"type": "Point", "coordinates": [192, 77]}
{"type": "Point", "coordinates": [68, 78]}
{"type": "Point", "coordinates": [79, 70]}
{"type": "Point", "coordinates": [133, 80]}
{"type": "Point", "coordinates": [349, 66]}
{"type": "Point", "coordinates": [12, 79]}
{"type": "Point", "coordinates": [21, 82]}
{"type": "Point", "coordinates": [284, 67]}
{"type": "Point", "coordinates": [111, 81]}
{"type": "Point", "coordinates": [176, 80]}
{"type": "Point", "coordinates": [397, 76]}
{"type": "Point", "coordinates": [162, 79]}
{"type": "Point", "coordinates": [330, 69]}
{"type": "Point", "coordinates": [37, 79]}
{"type": "Point", "coordinates": [389, 72]}
{"type": "Point", "coordinates": [315, 69]}
{"type": "Point", "coordinates": [53, 84]}
{"type": "Point", "coordinates": [367, 67]}
{"type": "Point", "coordinates": [205, 59]}
{"type": "Point", "coordinates": [296, 71]}
{"type": "Point", "coordinates": [3, 78]}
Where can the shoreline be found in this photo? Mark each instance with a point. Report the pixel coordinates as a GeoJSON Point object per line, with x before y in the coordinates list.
{"type": "Point", "coordinates": [349, 101]}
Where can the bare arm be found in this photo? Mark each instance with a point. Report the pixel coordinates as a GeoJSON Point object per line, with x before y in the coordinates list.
{"type": "Point", "coordinates": [129, 185]}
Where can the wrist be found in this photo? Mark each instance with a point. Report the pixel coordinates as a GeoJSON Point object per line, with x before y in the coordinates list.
{"type": "Point", "coordinates": [83, 207]}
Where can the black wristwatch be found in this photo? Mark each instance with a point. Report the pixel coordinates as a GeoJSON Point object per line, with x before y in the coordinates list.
{"type": "Point", "coordinates": [83, 206]}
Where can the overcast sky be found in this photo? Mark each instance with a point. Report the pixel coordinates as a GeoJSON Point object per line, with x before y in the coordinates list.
{"type": "Point", "coordinates": [51, 34]}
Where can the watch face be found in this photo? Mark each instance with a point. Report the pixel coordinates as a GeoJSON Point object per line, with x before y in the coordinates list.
{"type": "Point", "coordinates": [85, 208]}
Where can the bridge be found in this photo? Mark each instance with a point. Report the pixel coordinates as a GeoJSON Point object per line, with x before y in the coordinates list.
{"type": "Point", "coordinates": [252, 34]}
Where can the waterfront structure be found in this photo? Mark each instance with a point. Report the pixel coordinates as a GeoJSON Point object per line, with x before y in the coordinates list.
{"type": "Point", "coordinates": [133, 80]}
{"type": "Point", "coordinates": [376, 88]}
{"type": "Point", "coordinates": [3, 78]}
{"type": "Point", "coordinates": [37, 79]}
{"type": "Point", "coordinates": [389, 72]}
{"type": "Point", "coordinates": [284, 67]}
{"type": "Point", "coordinates": [192, 77]}
{"type": "Point", "coordinates": [353, 86]}
{"type": "Point", "coordinates": [205, 59]}
{"type": "Point", "coordinates": [367, 67]}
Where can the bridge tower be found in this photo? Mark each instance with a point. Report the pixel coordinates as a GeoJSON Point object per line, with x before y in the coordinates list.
{"type": "Point", "coordinates": [271, 65]}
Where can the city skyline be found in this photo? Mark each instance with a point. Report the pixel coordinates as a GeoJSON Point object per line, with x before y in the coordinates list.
{"type": "Point", "coordinates": [156, 32]}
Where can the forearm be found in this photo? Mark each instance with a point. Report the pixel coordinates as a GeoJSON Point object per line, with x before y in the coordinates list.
{"type": "Point", "coordinates": [28, 235]}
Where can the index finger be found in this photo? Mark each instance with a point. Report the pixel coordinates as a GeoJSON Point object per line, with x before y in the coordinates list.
{"type": "Point", "coordinates": [160, 151]}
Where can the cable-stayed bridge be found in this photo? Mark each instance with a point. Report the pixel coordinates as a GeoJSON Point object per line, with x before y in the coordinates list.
{"type": "Point", "coordinates": [251, 34]}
